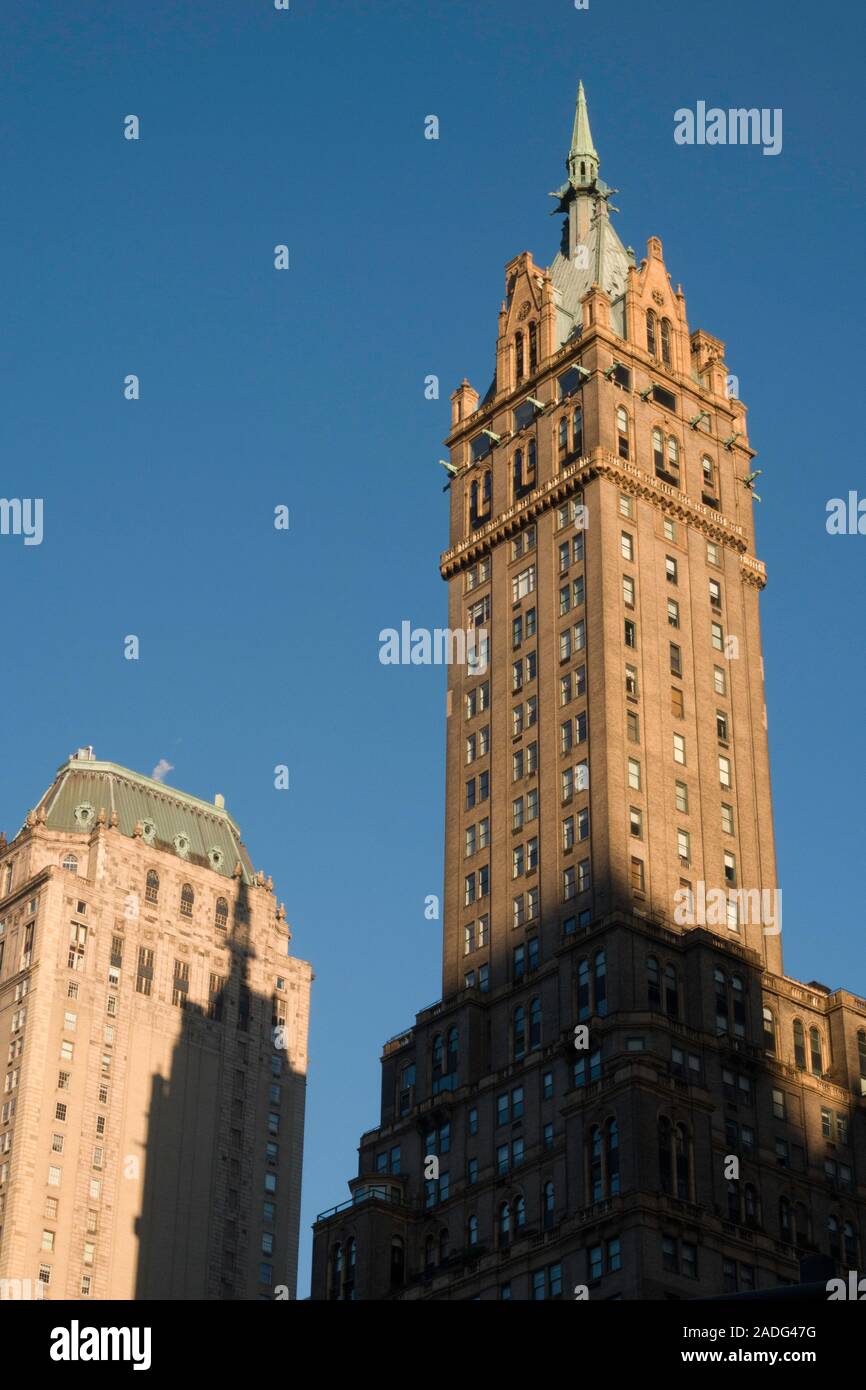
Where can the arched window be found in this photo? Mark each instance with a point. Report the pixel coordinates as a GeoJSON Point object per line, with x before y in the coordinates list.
{"type": "Point", "coordinates": [519, 1032]}
{"type": "Point", "coordinates": [517, 472]}
{"type": "Point", "coordinates": [535, 1024]}
{"type": "Point", "coordinates": [750, 1204]}
{"type": "Point", "coordinates": [151, 887]}
{"type": "Point", "coordinates": [486, 490]}
{"type": "Point", "coordinates": [596, 1184]}
{"type": "Point", "coordinates": [221, 915]}
{"type": "Point", "coordinates": [861, 1052]}
{"type": "Point", "coordinates": [530, 463]}
{"type": "Point", "coordinates": [784, 1218]}
{"type": "Point", "coordinates": [349, 1289]}
{"type": "Point", "coordinates": [816, 1058]}
{"type": "Point", "coordinates": [672, 998]}
{"type": "Point", "coordinates": [653, 984]}
{"type": "Point", "coordinates": [70, 863]}
{"type": "Point", "coordinates": [799, 1046]}
{"type": "Point", "coordinates": [733, 1202]}
{"type": "Point", "coordinates": [658, 450]}
{"type": "Point", "coordinates": [673, 457]}
{"type": "Point", "coordinates": [802, 1225]}
{"type": "Point", "coordinates": [533, 347]}
{"type": "Point", "coordinates": [833, 1242]}
{"type": "Point", "coordinates": [336, 1271]}
{"type": "Point", "coordinates": [504, 1223]}
{"type": "Point", "coordinates": [474, 505]}
{"type": "Point", "coordinates": [548, 1205]}
{"type": "Point", "coordinates": [651, 332]}
{"type": "Point", "coordinates": [472, 1230]}
{"type": "Point", "coordinates": [769, 1032]}
{"type": "Point", "coordinates": [612, 1158]}
{"type": "Point", "coordinates": [852, 1259]}
{"type": "Point", "coordinates": [518, 356]}
{"type": "Point", "coordinates": [563, 435]}
{"type": "Point", "coordinates": [452, 1052]}
{"type": "Point", "coordinates": [187, 898]}
{"type": "Point", "coordinates": [577, 430]}
{"type": "Point", "coordinates": [438, 1058]}
{"type": "Point", "coordinates": [666, 342]}
{"type": "Point", "coordinates": [622, 431]}
{"type": "Point", "coordinates": [444, 1245]}
{"type": "Point", "coordinates": [583, 1009]}
{"type": "Point", "coordinates": [398, 1261]}
{"type": "Point", "coordinates": [519, 1213]}
{"type": "Point", "coordinates": [429, 1253]}
{"type": "Point", "coordinates": [682, 1163]}
{"type": "Point", "coordinates": [600, 985]}
{"type": "Point", "coordinates": [665, 1154]}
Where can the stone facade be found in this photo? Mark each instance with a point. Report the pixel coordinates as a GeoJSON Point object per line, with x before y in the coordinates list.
{"type": "Point", "coordinates": [620, 1094]}
{"type": "Point", "coordinates": [144, 969]}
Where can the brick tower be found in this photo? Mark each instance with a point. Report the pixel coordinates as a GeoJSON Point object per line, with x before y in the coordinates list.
{"type": "Point", "coordinates": [615, 1024]}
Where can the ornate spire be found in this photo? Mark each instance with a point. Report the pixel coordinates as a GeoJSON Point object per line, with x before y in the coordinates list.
{"type": "Point", "coordinates": [583, 156]}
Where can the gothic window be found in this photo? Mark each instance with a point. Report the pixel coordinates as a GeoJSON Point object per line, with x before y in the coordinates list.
{"type": "Point", "coordinates": [187, 898]}
{"type": "Point", "coordinates": [816, 1060]}
{"type": "Point", "coordinates": [612, 1158]}
{"type": "Point", "coordinates": [577, 430]}
{"type": "Point", "coordinates": [653, 984]}
{"type": "Point", "coordinates": [535, 1024]}
{"type": "Point", "coordinates": [769, 1032]}
{"type": "Point", "coordinates": [665, 1154]}
{"type": "Point", "coordinates": [799, 1045]}
{"type": "Point", "coordinates": [673, 457]}
{"type": "Point", "coordinates": [533, 348]}
{"type": "Point", "coordinates": [504, 1223]}
{"type": "Point", "coordinates": [658, 450]}
{"type": "Point", "coordinates": [672, 1003]}
{"type": "Point", "coordinates": [651, 332]}
{"type": "Point", "coordinates": [518, 356]}
{"type": "Point", "coordinates": [666, 342]}
{"type": "Point", "coordinates": [519, 1033]}
{"type": "Point", "coordinates": [548, 1205]}
{"type": "Point", "coordinates": [151, 889]}
{"type": "Point", "coordinates": [221, 915]}
{"type": "Point", "coordinates": [784, 1218]}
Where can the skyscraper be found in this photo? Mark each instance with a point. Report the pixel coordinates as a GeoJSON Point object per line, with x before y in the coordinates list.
{"type": "Point", "coordinates": [154, 1030]}
{"type": "Point", "coordinates": [620, 1092]}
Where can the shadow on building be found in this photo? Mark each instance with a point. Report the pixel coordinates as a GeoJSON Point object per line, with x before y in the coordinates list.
{"type": "Point", "coordinates": [207, 1173]}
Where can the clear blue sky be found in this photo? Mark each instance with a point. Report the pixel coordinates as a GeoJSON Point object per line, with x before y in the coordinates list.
{"type": "Point", "coordinates": [306, 388]}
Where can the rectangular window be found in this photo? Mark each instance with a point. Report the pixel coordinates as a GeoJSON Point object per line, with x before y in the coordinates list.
{"type": "Point", "coordinates": [724, 771]}
{"type": "Point", "coordinates": [727, 818]}
{"type": "Point", "coordinates": [630, 633]}
{"type": "Point", "coordinates": [677, 705]}
{"type": "Point", "coordinates": [670, 569]}
{"type": "Point", "coordinates": [676, 660]}
{"type": "Point", "coordinates": [523, 583]}
{"type": "Point", "coordinates": [679, 749]}
{"type": "Point", "coordinates": [673, 613]}
{"type": "Point", "coordinates": [717, 636]}
{"type": "Point", "coordinates": [634, 774]}
{"type": "Point", "coordinates": [638, 881]}
{"type": "Point", "coordinates": [626, 545]}
{"type": "Point", "coordinates": [632, 725]}
{"type": "Point", "coordinates": [719, 683]}
{"type": "Point", "coordinates": [681, 795]}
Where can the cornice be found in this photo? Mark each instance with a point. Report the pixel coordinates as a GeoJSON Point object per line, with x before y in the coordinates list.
{"type": "Point", "coordinates": [630, 479]}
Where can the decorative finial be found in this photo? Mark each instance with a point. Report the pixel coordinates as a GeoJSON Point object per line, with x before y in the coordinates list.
{"type": "Point", "coordinates": [114, 820]}
{"type": "Point", "coordinates": [137, 830]}
{"type": "Point", "coordinates": [31, 818]}
{"type": "Point", "coordinates": [101, 817]}
{"type": "Point", "coordinates": [237, 871]}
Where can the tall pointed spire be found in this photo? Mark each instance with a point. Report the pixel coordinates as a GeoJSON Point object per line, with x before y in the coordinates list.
{"type": "Point", "coordinates": [583, 156]}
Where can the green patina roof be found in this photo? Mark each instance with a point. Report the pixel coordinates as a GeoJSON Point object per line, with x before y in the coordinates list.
{"type": "Point", "coordinates": [212, 838]}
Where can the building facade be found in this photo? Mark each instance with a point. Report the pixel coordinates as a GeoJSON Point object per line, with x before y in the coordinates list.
{"type": "Point", "coordinates": [153, 1030]}
{"type": "Point", "coordinates": [620, 1093]}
